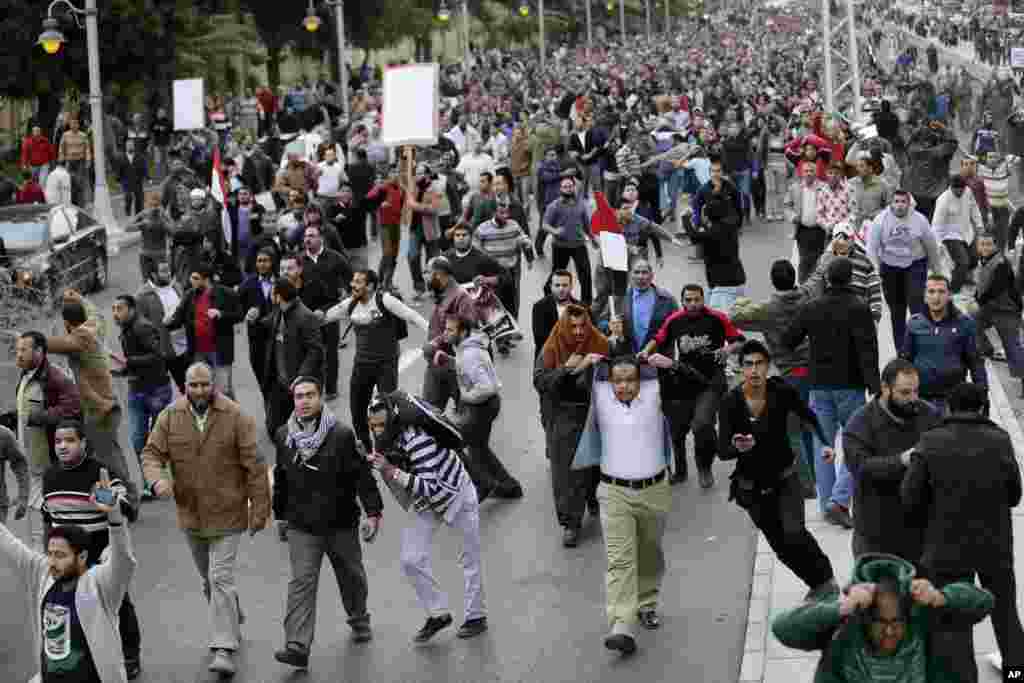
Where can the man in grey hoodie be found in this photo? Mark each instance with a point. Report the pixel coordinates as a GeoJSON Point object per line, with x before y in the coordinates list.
{"type": "Point", "coordinates": [479, 405]}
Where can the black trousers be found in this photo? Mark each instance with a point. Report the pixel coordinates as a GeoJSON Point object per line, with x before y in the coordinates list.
{"type": "Point", "coordinates": [365, 376]}
{"type": "Point", "coordinates": [780, 518]}
{"type": "Point", "coordinates": [698, 414]}
{"type": "Point", "coordinates": [955, 646]}
{"type": "Point", "coordinates": [332, 336]}
{"type": "Point", "coordinates": [961, 263]}
{"type": "Point", "coordinates": [581, 259]}
{"type": "Point", "coordinates": [485, 469]}
{"type": "Point", "coordinates": [810, 244]}
{"type": "Point", "coordinates": [133, 197]}
{"type": "Point", "coordinates": [571, 488]}
{"type": "Point", "coordinates": [278, 404]}
{"type": "Point", "coordinates": [177, 367]}
{"type": "Point", "coordinates": [440, 385]}
{"type": "Point", "coordinates": [128, 625]}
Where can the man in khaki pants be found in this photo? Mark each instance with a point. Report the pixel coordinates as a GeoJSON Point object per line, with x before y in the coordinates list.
{"type": "Point", "coordinates": [628, 436]}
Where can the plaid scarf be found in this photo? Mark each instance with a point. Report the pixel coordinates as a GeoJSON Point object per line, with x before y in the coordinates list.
{"type": "Point", "coordinates": [307, 443]}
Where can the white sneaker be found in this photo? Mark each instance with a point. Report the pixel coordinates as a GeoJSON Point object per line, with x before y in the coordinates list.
{"type": "Point", "coordinates": [995, 659]}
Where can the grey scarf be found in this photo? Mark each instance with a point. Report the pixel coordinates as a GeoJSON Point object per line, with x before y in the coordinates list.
{"type": "Point", "coordinates": [307, 442]}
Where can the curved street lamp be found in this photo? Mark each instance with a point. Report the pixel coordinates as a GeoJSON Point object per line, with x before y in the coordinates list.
{"type": "Point", "coordinates": [51, 40]}
{"type": "Point", "coordinates": [524, 10]}
{"type": "Point", "coordinates": [312, 24]}
{"type": "Point", "coordinates": [443, 14]}
{"type": "Point", "coordinates": [312, 21]}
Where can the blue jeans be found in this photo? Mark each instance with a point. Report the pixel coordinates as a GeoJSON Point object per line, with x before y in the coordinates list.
{"type": "Point", "coordinates": [804, 437]}
{"type": "Point", "coordinates": [143, 409]}
{"type": "Point", "coordinates": [833, 408]}
{"type": "Point", "coordinates": [724, 298]}
{"type": "Point", "coordinates": [743, 184]}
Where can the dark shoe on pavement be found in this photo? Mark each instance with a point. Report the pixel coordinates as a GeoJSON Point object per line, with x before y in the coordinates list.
{"type": "Point", "coordinates": [810, 493]}
{"type": "Point", "coordinates": [223, 663]}
{"type": "Point", "coordinates": [625, 644]}
{"type": "Point", "coordinates": [132, 668]}
{"type": "Point", "coordinates": [570, 537]}
{"type": "Point", "coordinates": [293, 655]}
{"type": "Point", "coordinates": [282, 531]}
{"type": "Point", "coordinates": [649, 619]}
{"type": "Point", "coordinates": [362, 633]}
{"type": "Point", "coordinates": [706, 478]}
{"type": "Point", "coordinates": [472, 627]}
{"type": "Point", "coordinates": [593, 508]}
{"type": "Point", "coordinates": [838, 515]}
{"type": "Point", "coordinates": [432, 627]}
{"type": "Point", "coordinates": [510, 491]}
{"type": "Point", "coordinates": [484, 493]}
{"type": "Point", "coordinates": [678, 477]}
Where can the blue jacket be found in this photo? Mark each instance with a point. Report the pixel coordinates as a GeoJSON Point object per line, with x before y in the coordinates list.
{"type": "Point", "coordinates": [944, 351]}
{"type": "Point", "coordinates": [549, 177]}
{"type": "Point", "coordinates": [590, 449]}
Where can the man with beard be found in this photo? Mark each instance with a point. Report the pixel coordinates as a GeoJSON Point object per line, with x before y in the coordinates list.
{"type": "Point", "coordinates": [424, 231]}
{"type": "Point", "coordinates": [157, 299]}
{"type": "Point", "coordinates": [74, 601]}
{"type": "Point", "coordinates": [156, 230]}
{"type": "Point", "coordinates": [469, 262]}
{"type": "Point", "coordinates": [246, 216]}
{"type": "Point", "coordinates": [256, 299]}
{"type": "Point", "coordinates": [702, 338]}
{"type": "Point", "coordinates": [547, 310]}
{"type": "Point", "coordinates": [379, 319]}
{"type": "Point", "coordinates": [221, 489]}
{"type": "Point", "coordinates": [295, 347]}
{"type": "Point", "coordinates": [507, 242]}
{"type": "Point", "coordinates": [68, 501]}
{"type": "Point", "coordinates": [902, 243]}
{"type": "Point", "coordinates": [877, 444]}
{"type": "Point", "coordinates": [567, 221]}
{"type": "Point", "coordinates": [320, 472]}
{"type": "Point", "coordinates": [562, 376]}
{"type": "Point", "coordinates": [439, 381]}
{"type": "Point", "coordinates": [335, 272]}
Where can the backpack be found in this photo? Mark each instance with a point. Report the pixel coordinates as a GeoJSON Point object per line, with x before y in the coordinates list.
{"type": "Point", "coordinates": [401, 326]}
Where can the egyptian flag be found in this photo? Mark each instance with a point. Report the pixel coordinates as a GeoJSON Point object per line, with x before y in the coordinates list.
{"type": "Point", "coordinates": [219, 190]}
{"type": "Point", "coordinates": [606, 219]}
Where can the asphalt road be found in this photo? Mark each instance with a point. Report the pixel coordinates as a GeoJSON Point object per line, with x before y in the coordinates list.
{"type": "Point", "coordinates": [546, 603]}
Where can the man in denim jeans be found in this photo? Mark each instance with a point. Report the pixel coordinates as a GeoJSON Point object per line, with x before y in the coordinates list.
{"type": "Point", "coordinates": [143, 363]}
{"type": "Point", "coordinates": [844, 362]}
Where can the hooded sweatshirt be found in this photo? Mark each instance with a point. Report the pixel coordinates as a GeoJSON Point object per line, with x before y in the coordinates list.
{"type": "Point", "coordinates": [478, 379]}
{"type": "Point", "coordinates": [899, 242]}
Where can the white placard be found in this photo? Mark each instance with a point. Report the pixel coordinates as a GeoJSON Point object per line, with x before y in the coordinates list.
{"type": "Point", "coordinates": [189, 104]}
{"type": "Point", "coordinates": [1017, 57]}
{"type": "Point", "coordinates": [410, 112]}
{"type": "Point", "coordinates": [613, 250]}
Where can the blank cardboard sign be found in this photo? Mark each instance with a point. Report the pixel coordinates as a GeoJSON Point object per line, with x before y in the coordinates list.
{"type": "Point", "coordinates": [410, 113]}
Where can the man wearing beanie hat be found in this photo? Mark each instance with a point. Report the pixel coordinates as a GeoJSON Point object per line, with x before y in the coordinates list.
{"type": "Point", "coordinates": [843, 363]}
{"type": "Point", "coordinates": [956, 220]}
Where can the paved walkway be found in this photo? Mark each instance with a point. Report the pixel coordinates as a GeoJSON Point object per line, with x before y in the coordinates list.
{"type": "Point", "coordinates": [775, 588]}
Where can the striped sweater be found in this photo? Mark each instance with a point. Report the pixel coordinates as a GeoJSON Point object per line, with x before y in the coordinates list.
{"type": "Point", "coordinates": [66, 500]}
{"type": "Point", "coordinates": [503, 243]}
{"type": "Point", "coordinates": [997, 181]}
{"type": "Point", "coordinates": [436, 474]}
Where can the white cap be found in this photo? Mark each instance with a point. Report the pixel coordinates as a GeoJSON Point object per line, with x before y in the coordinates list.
{"type": "Point", "coordinates": [197, 193]}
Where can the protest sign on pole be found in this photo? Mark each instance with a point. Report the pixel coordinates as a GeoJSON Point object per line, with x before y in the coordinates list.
{"type": "Point", "coordinates": [189, 104]}
{"type": "Point", "coordinates": [410, 113]}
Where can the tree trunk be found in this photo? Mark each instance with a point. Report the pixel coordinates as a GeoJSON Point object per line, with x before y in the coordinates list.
{"type": "Point", "coordinates": [274, 66]}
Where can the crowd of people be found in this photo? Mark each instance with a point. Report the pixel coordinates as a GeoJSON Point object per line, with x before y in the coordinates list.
{"type": "Point", "coordinates": [694, 138]}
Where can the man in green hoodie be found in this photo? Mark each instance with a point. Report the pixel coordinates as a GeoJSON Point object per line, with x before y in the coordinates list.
{"type": "Point", "coordinates": [879, 628]}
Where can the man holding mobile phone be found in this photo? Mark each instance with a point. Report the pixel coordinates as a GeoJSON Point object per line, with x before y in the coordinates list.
{"type": "Point", "coordinates": [71, 496]}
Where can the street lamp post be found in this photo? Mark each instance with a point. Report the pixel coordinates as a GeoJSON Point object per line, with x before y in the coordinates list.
{"type": "Point", "coordinates": [543, 47]}
{"type": "Point", "coordinates": [465, 29]}
{"type": "Point", "coordinates": [51, 39]}
{"type": "Point", "coordinates": [590, 29]}
{"type": "Point", "coordinates": [622, 20]}
{"type": "Point", "coordinates": [647, 7]}
{"type": "Point", "coordinates": [312, 24]}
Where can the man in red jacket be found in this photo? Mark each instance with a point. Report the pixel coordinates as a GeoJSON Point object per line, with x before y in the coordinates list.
{"type": "Point", "coordinates": [36, 155]}
{"type": "Point", "coordinates": [30, 191]}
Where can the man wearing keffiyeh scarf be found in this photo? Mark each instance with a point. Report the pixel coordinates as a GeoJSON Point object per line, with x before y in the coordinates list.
{"type": "Point", "coordinates": [321, 472]}
{"type": "Point", "coordinates": [563, 376]}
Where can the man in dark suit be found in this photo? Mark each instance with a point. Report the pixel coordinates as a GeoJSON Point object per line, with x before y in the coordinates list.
{"type": "Point", "coordinates": [585, 149]}
{"type": "Point", "coordinates": [256, 299]}
{"type": "Point", "coordinates": [246, 216]}
{"type": "Point", "coordinates": [319, 263]}
{"type": "Point", "coordinates": [548, 310]}
{"type": "Point", "coordinates": [133, 172]}
{"type": "Point", "coordinates": [964, 476]}
{"type": "Point", "coordinates": [643, 309]}
{"type": "Point", "coordinates": [295, 347]}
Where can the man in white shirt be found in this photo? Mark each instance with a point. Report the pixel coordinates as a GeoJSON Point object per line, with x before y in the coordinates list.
{"type": "Point", "coordinates": [58, 186]}
{"type": "Point", "coordinates": [332, 173]}
{"type": "Point", "coordinates": [802, 205]}
{"type": "Point", "coordinates": [498, 147]}
{"type": "Point", "coordinates": [628, 436]}
{"type": "Point", "coordinates": [473, 164]}
{"type": "Point", "coordinates": [955, 221]}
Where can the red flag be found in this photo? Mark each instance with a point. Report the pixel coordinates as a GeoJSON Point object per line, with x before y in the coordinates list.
{"type": "Point", "coordinates": [605, 218]}
{"type": "Point", "coordinates": [218, 187]}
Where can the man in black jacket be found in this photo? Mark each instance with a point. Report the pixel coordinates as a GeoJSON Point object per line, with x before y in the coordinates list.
{"type": "Point", "coordinates": [256, 299]}
{"type": "Point", "coordinates": [844, 362]}
{"type": "Point", "coordinates": [717, 216]}
{"type": "Point", "coordinates": [964, 477]}
{"type": "Point", "coordinates": [877, 442]}
{"type": "Point", "coordinates": [246, 216]}
{"type": "Point", "coordinates": [296, 347]}
{"type": "Point", "coordinates": [321, 470]}
{"type": "Point", "coordinates": [133, 170]}
{"type": "Point", "coordinates": [143, 362]}
{"type": "Point", "coordinates": [335, 272]}
{"type": "Point", "coordinates": [209, 313]}
{"type": "Point", "coordinates": [548, 309]}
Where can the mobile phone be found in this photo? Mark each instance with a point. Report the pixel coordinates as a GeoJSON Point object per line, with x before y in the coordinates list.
{"type": "Point", "coordinates": [105, 496]}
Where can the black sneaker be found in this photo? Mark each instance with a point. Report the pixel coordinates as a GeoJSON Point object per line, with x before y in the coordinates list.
{"type": "Point", "coordinates": [432, 627]}
{"type": "Point", "coordinates": [706, 478]}
{"type": "Point", "coordinates": [649, 618]}
{"type": "Point", "coordinates": [132, 668]}
{"type": "Point", "coordinates": [293, 656]}
{"type": "Point", "coordinates": [570, 537]}
{"type": "Point", "coordinates": [472, 627]}
{"type": "Point", "coordinates": [511, 491]}
{"type": "Point", "coordinates": [625, 644]}
{"type": "Point", "coordinates": [838, 515]}
{"type": "Point", "coordinates": [362, 633]}
{"type": "Point", "coordinates": [593, 508]}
